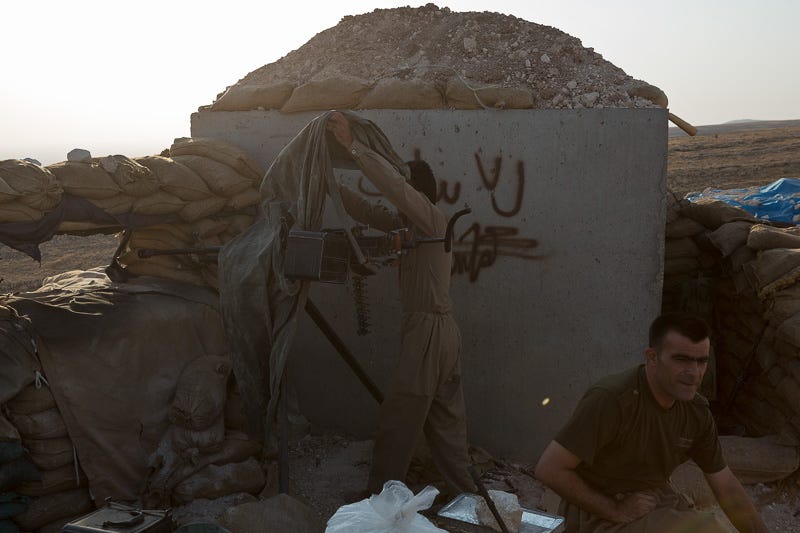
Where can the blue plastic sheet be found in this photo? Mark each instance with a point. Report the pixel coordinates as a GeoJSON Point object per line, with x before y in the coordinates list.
{"type": "Point", "coordinates": [779, 201]}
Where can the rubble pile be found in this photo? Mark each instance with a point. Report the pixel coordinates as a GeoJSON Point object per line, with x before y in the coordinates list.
{"type": "Point", "coordinates": [741, 273]}
{"type": "Point", "coordinates": [431, 58]}
{"type": "Point", "coordinates": [198, 194]}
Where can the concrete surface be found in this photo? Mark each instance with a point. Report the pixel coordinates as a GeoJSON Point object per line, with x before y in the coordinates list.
{"type": "Point", "coordinates": [558, 269]}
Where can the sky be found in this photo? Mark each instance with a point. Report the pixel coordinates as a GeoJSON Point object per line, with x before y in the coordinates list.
{"type": "Point", "coordinates": [124, 77]}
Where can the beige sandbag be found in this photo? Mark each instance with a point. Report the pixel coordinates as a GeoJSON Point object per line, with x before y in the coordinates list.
{"type": "Point", "coordinates": [49, 454]}
{"type": "Point", "coordinates": [116, 205]}
{"type": "Point", "coordinates": [759, 460]}
{"type": "Point", "coordinates": [784, 304]}
{"type": "Point", "coordinates": [18, 212]}
{"type": "Point", "coordinates": [168, 267]}
{"type": "Point", "coordinates": [42, 425]}
{"type": "Point", "coordinates": [33, 185]}
{"type": "Point", "coordinates": [741, 256]}
{"type": "Point", "coordinates": [239, 223]}
{"type": "Point", "coordinates": [156, 239]}
{"type": "Point", "coordinates": [730, 236]}
{"type": "Point", "coordinates": [684, 247]}
{"type": "Point", "coordinates": [222, 179]}
{"type": "Point", "coordinates": [393, 93]}
{"type": "Point", "coordinates": [176, 178]}
{"type": "Point", "coordinates": [789, 391]}
{"type": "Point", "coordinates": [7, 430]}
{"type": "Point", "coordinates": [245, 199]}
{"type": "Point", "coordinates": [220, 151]}
{"type": "Point", "coordinates": [460, 96]}
{"type": "Point", "coordinates": [54, 481]}
{"type": "Point", "coordinates": [714, 213]}
{"type": "Point", "coordinates": [134, 179]}
{"type": "Point", "coordinates": [85, 180]}
{"type": "Point", "coordinates": [688, 479]}
{"type": "Point", "coordinates": [200, 394]}
{"type": "Point", "coordinates": [680, 265]}
{"type": "Point", "coordinates": [214, 481]}
{"type": "Point", "coordinates": [789, 331]}
{"type": "Point", "coordinates": [246, 97]}
{"type": "Point", "coordinates": [160, 203]}
{"type": "Point", "coordinates": [208, 227]}
{"type": "Point", "coordinates": [343, 92]}
{"type": "Point", "coordinates": [7, 194]}
{"type": "Point", "coordinates": [683, 227]}
{"type": "Point", "coordinates": [205, 441]}
{"type": "Point", "coordinates": [766, 355]}
{"type": "Point", "coordinates": [200, 209]}
{"type": "Point", "coordinates": [773, 270]}
{"type": "Point", "coordinates": [210, 273]}
{"type": "Point", "coordinates": [48, 508]}
{"type": "Point", "coordinates": [763, 237]}
{"type": "Point", "coordinates": [31, 399]}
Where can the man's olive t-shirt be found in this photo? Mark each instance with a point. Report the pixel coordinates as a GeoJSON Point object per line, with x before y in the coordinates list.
{"type": "Point", "coordinates": [627, 441]}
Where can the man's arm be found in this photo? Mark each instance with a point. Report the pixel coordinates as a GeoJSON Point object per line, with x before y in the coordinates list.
{"type": "Point", "coordinates": [365, 212]}
{"type": "Point", "coordinates": [556, 469]}
{"type": "Point", "coordinates": [734, 501]}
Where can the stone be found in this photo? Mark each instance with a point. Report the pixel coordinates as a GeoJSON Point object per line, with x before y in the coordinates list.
{"type": "Point", "coordinates": [545, 58]}
{"type": "Point", "coordinates": [79, 155]}
{"type": "Point", "coordinates": [572, 84]}
{"type": "Point", "coordinates": [281, 513]}
{"type": "Point", "coordinates": [507, 506]}
{"type": "Point", "coordinates": [588, 99]}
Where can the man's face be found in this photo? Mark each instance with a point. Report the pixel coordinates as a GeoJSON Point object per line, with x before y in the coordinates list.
{"type": "Point", "coordinates": [676, 368]}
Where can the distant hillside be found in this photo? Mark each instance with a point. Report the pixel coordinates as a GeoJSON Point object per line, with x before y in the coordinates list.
{"type": "Point", "coordinates": [736, 125]}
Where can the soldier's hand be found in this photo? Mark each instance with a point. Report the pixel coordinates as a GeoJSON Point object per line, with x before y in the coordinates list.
{"type": "Point", "coordinates": [634, 505]}
{"type": "Point", "coordinates": [340, 127]}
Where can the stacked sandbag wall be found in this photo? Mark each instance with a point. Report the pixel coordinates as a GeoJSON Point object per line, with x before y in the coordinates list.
{"type": "Point", "coordinates": [204, 190]}
{"type": "Point", "coordinates": [54, 487]}
{"type": "Point", "coordinates": [740, 273]}
{"type": "Point", "coordinates": [205, 454]}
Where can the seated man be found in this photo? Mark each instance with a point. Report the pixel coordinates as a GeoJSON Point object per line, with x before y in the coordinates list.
{"type": "Point", "coordinates": [612, 461]}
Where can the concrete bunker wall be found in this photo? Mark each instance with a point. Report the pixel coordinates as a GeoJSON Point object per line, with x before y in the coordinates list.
{"type": "Point", "coordinates": [558, 270]}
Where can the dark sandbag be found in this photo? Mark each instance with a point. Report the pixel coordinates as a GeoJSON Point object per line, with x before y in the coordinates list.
{"type": "Point", "coordinates": [10, 451]}
{"type": "Point", "coordinates": [46, 509]}
{"type": "Point", "coordinates": [42, 425]}
{"type": "Point", "coordinates": [32, 399]}
{"type": "Point", "coordinates": [200, 396]}
{"type": "Point", "coordinates": [53, 481]}
{"type": "Point", "coordinates": [12, 504]}
{"type": "Point", "coordinates": [17, 472]}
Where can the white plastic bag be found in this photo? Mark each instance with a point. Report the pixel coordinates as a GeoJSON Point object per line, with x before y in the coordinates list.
{"type": "Point", "coordinates": [394, 510]}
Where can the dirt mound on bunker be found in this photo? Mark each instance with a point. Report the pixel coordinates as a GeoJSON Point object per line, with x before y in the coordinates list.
{"type": "Point", "coordinates": [435, 47]}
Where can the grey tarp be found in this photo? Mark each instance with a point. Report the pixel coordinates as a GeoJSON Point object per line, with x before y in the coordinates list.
{"type": "Point", "coordinates": [259, 306]}
{"type": "Point", "coordinates": [112, 355]}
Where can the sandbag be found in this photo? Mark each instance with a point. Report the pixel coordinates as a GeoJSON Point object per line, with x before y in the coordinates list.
{"type": "Point", "coordinates": [789, 331]}
{"type": "Point", "coordinates": [343, 92]}
{"type": "Point", "coordinates": [51, 507]}
{"type": "Point", "coordinates": [783, 304]}
{"type": "Point", "coordinates": [33, 185]}
{"type": "Point", "coordinates": [54, 481]}
{"type": "Point", "coordinates": [18, 212]}
{"type": "Point", "coordinates": [239, 223]}
{"type": "Point", "coordinates": [282, 512]}
{"type": "Point", "coordinates": [763, 237]}
{"type": "Point", "coordinates": [10, 450]}
{"type": "Point", "coordinates": [220, 151]}
{"type": "Point", "coordinates": [42, 425]}
{"type": "Point", "coordinates": [714, 213]}
{"type": "Point", "coordinates": [31, 399]}
{"type": "Point", "coordinates": [393, 93]}
{"type": "Point", "coordinates": [116, 205]}
{"type": "Point", "coordinates": [684, 247]}
{"type": "Point", "coordinates": [199, 209]}
{"type": "Point", "coordinates": [740, 257]}
{"type": "Point", "coordinates": [680, 265]}
{"type": "Point", "coordinates": [245, 199]}
{"type": "Point", "coordinates": [214, 481]}
{"type": "Point", "coordinates": [8, 433]}
{"type": "Point", "coordinates": [12, 504]}
{"type": "Point", "coordinates": [222, 179]}
{"type": "Point", "coordinates": [460, 96]}
{"type": "Point", "coordinates": [134, 179]}
{"type": "Point", "coordinates": [773, 270]}
{"type": "Point", "coordinates": [157, 239]}
{"type": "Point", "coordinates": [159, 203]}
{"type": "Point", "coordinates": [176, 178]}
{"type": "Point", "coordinates": [730, 236]}
{"type": "Point", "coordinates": [7, 194]}
{"type": "Point", "coordinates": [200, 395]}
{"type": "Point", "coordinates": [209, 227]}
{"type": "Point", "coordinates": [50, 454]}
{"type": "Point", "coordinates": [683, 227]}
{"type": "Point", "coordinates": [205, 441]}
{"type": "Point", "coordinates": [246, 97]}
{"type": "Point", "coordinates": [759, 460]}
{"type": "Point", "coordinates": [86, 180]}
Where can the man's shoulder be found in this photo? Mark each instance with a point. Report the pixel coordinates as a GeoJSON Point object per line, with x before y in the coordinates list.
{"type": "Point", "coordinates": [619, 383]}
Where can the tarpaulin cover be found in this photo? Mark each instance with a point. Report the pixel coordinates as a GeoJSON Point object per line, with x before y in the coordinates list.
{"type": "Point", "coordinates": [259, 306]}
{"type": "Point", "coordinates": [779, 201]}
{"type": "Point", "coordinates": [112, 355]}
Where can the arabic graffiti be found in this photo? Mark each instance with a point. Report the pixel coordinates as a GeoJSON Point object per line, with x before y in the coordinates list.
{"type": "Point", "coordinates": [478, 248]}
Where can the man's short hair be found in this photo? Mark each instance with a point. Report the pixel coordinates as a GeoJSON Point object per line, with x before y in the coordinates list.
{"type": "Point", "coordinates": [422, 178]}
{"type": "Point", "coordinates": [690, 326]}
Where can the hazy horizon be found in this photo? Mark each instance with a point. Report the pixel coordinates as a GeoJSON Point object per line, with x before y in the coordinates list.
{"type": "Point", "coordinates": [115, 78]}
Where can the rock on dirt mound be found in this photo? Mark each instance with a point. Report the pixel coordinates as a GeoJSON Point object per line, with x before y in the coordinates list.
{"type": "Point", "coordinates": [431, 57]}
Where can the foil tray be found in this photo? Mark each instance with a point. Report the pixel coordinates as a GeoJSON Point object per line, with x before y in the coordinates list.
{"type": "Point", "coordinates": [464, 509]}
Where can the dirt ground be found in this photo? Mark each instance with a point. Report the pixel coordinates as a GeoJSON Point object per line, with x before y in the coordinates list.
{"type": "Point", "coordinates": [326, 469]}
